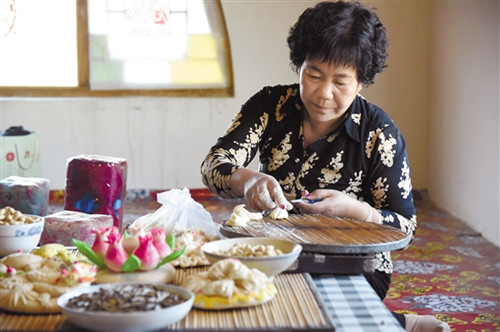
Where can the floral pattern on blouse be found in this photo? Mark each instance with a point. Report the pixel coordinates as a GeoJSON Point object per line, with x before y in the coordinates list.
{"type": "Point", "coordinates": [365, 157]}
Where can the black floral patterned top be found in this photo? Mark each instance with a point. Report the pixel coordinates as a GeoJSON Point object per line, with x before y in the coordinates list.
{"type": "Point", "coordinates": [365, 157]}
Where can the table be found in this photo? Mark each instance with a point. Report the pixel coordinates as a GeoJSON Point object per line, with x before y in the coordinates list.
{"type": "Point", "coordinates": [347, 302]}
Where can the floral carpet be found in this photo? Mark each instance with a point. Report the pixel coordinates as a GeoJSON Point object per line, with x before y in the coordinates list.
{"type": "Point", "coordinates": [449, 270]}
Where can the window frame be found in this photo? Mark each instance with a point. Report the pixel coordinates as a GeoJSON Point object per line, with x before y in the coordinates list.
{"type": "Point", "coordinates": [83, 88]}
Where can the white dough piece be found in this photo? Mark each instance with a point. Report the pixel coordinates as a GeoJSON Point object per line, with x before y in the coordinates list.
{"type": "Point", "coordinates": [241, 216]}
{"type": "Point", "coordinates": [278, 213]}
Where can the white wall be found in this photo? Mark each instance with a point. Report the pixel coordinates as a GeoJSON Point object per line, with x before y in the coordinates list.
{"type": "Point", "coordinates": [464, 114]}
{"type": "Point", "coordinates": [165, 139]}
{"type": "Point", "coordinates": [402, 89]}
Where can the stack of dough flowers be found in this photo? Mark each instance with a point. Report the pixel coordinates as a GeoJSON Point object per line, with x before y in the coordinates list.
{"type": "Point", "coordinates": [31, 283]}
{"type": "Point", "coordinates": [193, 256]}
{"type": "Point", "coordinates": [229, 284]}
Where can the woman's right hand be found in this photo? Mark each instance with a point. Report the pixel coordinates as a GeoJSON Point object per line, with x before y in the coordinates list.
{"type": "Point", "coordinates": [261, 190]}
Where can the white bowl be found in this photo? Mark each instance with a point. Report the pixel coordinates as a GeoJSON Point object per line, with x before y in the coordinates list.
{"type": "Point", "coordinates": [126, 321]}
{"type": "Point", "coordinates": [270, 265]}
{"type": "Point", "coordinates": [24, 237]}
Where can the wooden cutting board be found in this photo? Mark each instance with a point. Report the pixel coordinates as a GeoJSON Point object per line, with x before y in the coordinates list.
{"type": "Point", "coordinates": [325, 234]}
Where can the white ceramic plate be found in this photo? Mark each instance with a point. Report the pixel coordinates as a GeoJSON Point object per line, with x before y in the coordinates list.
{"type": "Point", "coordinates": [162, 275]}
{"type": "Point", "coordinates": [126, 321]}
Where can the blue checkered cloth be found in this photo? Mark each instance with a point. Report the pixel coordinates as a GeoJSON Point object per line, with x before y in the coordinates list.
{"type": "Point", "coordinates": [353, 305]}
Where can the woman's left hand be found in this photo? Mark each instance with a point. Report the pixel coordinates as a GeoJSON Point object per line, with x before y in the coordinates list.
{"type": "Point", "coordinates": [332, 203]}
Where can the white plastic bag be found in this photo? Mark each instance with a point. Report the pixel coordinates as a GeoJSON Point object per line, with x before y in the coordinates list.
{"type": "Point", "coordinates": [179, 212]}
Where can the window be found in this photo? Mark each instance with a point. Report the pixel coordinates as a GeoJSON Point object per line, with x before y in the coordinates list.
{"type": "Point", "coordinates": [114, 47]}
{"type": "Point", "coordinates": [35, 50]}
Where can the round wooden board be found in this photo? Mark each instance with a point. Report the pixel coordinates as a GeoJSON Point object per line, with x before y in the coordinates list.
{"type": "Point", "coordinates": [325, 234]}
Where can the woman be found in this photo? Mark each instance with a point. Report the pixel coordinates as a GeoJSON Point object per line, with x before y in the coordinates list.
{"type": "Point", "coordinates": [320, 139]}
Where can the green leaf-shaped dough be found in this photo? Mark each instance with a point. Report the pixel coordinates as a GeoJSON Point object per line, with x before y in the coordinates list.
{"type": "Point", "coordinates": [133, 263]}
{"type": "Point", "coordinates": [171, 241]}
{"type": "Point", "coordinates": [171, 257]}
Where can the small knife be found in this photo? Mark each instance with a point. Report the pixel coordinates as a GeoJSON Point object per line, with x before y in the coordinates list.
{"type": "Point", "coordinates": [301, 200]}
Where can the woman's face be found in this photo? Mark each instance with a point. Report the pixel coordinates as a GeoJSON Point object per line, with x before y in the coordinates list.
{"type": "Point", "coordinates": [327, 90]}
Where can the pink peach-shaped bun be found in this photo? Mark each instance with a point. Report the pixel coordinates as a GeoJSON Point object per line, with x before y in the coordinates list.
{"type": "Point", "coordinates": [100, 245]}
{"type": "Point", "coordinates": [160, 242]}
{"type": "Point", "coordinates": [116, 254]}
{"type": "Point", "coordinates": [147, 253]}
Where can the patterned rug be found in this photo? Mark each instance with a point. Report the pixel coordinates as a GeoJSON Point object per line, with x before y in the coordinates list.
{"type": "Point", "coordinates": [448, 271]}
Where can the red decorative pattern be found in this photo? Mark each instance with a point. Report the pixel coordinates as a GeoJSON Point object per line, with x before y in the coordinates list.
{"type": "Point", "coordinates": [448, 271]}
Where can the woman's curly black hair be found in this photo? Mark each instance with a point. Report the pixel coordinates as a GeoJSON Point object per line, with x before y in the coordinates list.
{"type": "Point", "coordinates": [344, 33]}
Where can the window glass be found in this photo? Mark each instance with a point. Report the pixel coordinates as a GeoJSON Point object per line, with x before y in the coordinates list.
{"type": "Point", "coordinates": [154, 44]}
{"type": "Point", "coordinates": [38, 43]}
